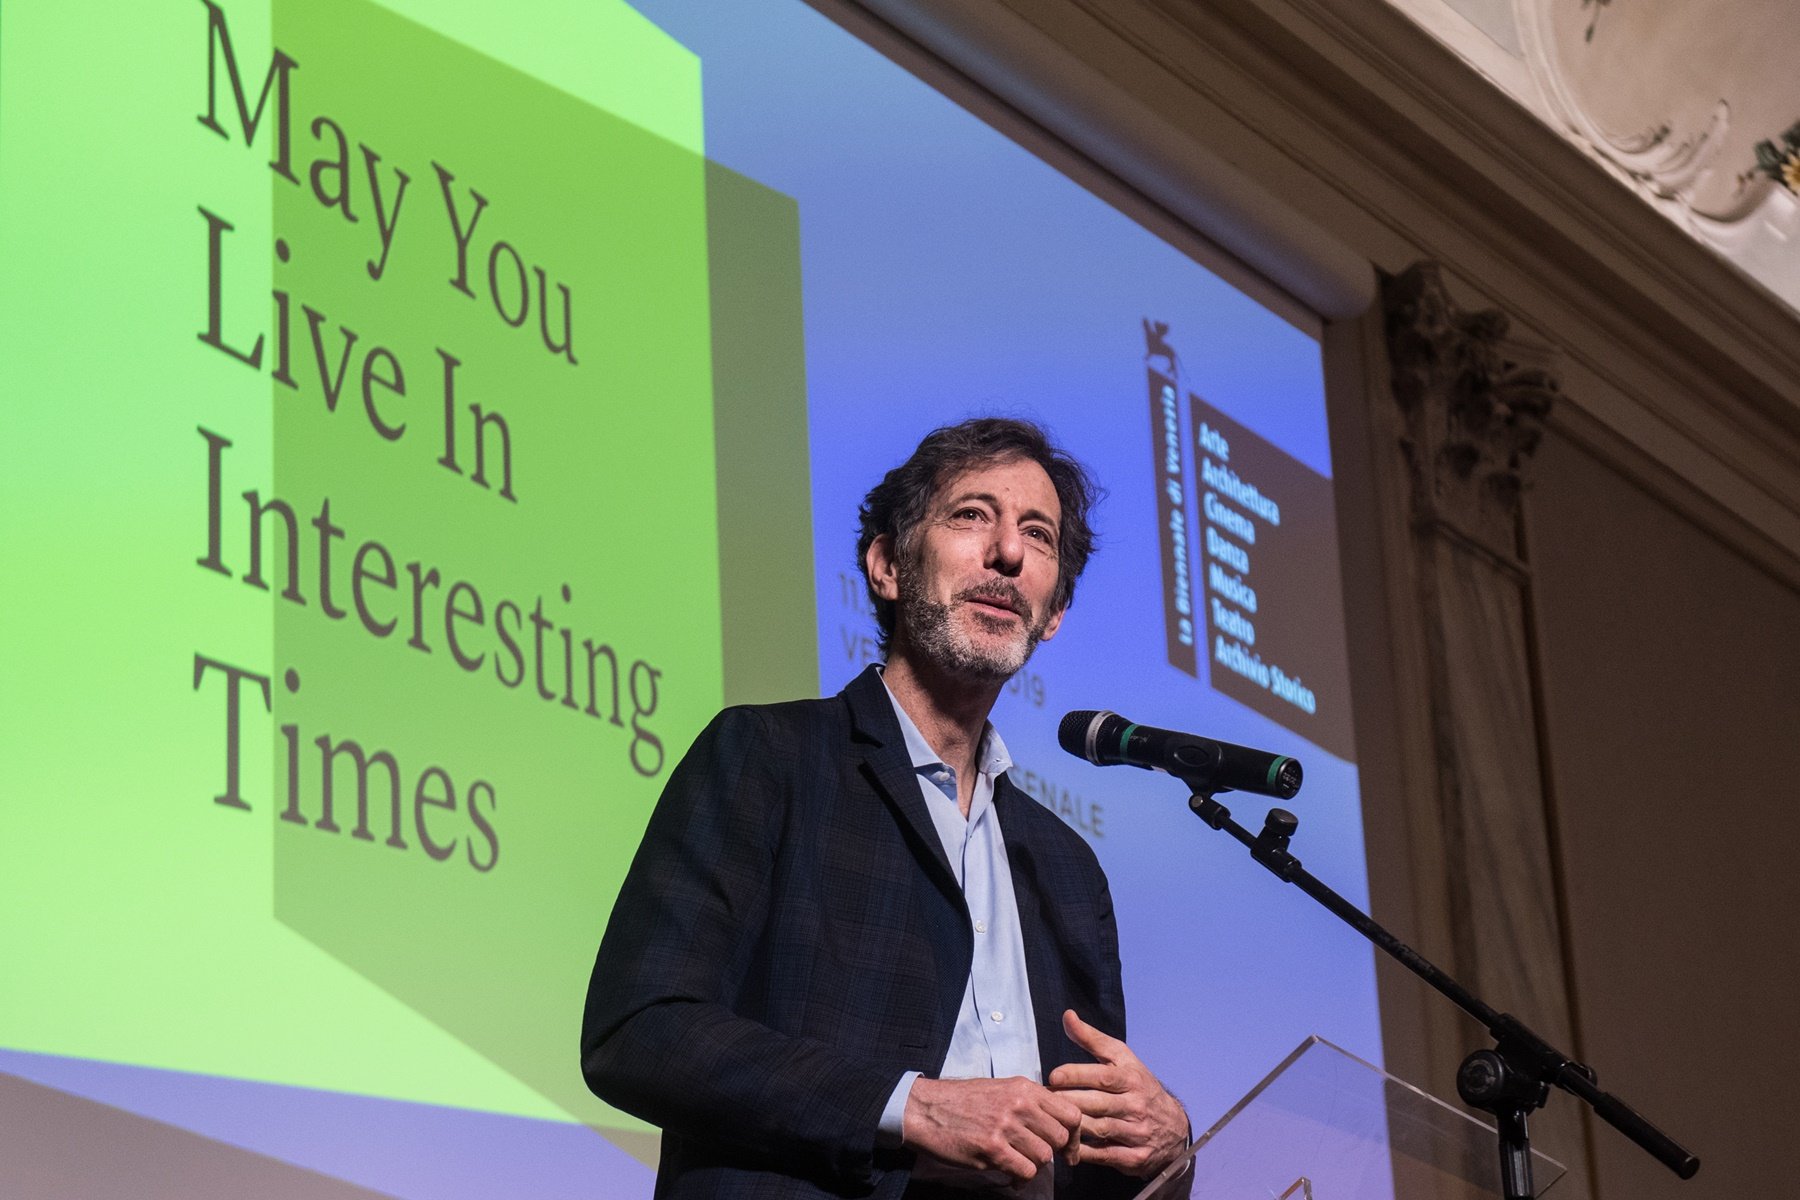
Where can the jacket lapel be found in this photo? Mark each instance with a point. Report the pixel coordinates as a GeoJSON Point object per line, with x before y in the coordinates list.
{"type": "Point", "coordinates": [876, 736]}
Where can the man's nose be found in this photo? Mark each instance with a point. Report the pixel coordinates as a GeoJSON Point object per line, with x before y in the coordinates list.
{"type": "Point", "coordinates": [1006, 550]}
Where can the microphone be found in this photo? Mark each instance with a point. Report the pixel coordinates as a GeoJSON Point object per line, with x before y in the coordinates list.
{"type": "Point", "coordinates": [1106, 738]}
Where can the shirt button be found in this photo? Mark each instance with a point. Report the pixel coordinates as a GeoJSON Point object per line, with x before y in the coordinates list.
{"type": "Point", "coordinates": [981, 927]}
{"type": "Point", "coordinates": [997, 1015]}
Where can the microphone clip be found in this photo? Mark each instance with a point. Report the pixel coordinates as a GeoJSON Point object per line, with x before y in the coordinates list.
{"type": "Point", "coordinates": [1202, 804]}
{"type": "Point", "coordinates": [1270, 847]}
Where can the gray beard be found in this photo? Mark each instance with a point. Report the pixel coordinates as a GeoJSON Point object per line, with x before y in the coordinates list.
{"type": "Point", "coordinates": [930, 632]}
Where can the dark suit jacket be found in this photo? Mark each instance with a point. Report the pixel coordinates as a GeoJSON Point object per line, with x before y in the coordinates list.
{"type": "Point", "coordinates": [790, 940]}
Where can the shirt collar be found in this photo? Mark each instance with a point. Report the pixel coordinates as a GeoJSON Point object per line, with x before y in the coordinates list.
{"type": "Point", "coordinates": [991, 757]}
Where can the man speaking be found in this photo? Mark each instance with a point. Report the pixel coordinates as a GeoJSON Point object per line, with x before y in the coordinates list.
{"type": "Point", "coordinates": [850, 958]}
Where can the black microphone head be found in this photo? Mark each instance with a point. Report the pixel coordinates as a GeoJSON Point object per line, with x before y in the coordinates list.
{"type": "Point", "coordinates": [1072, 734]}
{"type": "Point", "coordinates": [1084, 733]}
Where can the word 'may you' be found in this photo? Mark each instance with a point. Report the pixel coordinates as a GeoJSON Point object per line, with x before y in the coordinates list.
{"type": "Point", "coordinates": [357, 185]}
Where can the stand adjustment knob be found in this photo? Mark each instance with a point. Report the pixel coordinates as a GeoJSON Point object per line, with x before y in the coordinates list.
{"type": "Point", "coordinates": [1281, 824]}
{"type": "Point", "coordinates": [1481, 1079]}
{"type": "Point", "coordinates": [1488, 1082]}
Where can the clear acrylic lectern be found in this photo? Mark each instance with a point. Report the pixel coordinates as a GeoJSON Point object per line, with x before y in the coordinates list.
{"type": "Point", "coordinates": [1325, 1125]}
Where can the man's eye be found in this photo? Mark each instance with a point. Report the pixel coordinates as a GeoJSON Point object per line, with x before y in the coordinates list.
{"type": "Point", "coordinates": [1042, 535]}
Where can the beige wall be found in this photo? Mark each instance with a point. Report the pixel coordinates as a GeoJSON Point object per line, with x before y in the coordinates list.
{"type": "Point", "coordinates": [1670, 670]}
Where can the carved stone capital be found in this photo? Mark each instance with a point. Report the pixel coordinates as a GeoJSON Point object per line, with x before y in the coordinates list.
{"type": "Point", "coordinates": [1474, 402]}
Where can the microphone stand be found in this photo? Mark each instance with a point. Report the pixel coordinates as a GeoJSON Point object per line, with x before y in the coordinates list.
{"type": "Point", "coordinates": [1509, 1081]}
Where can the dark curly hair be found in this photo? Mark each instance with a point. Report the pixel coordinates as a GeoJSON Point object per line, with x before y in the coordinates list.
{"type": "Point", "coordinates": [898, 504]}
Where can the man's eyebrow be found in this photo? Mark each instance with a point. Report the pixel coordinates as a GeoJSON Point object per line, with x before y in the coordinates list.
{"type": "Point", "coordinates": [993, 501]}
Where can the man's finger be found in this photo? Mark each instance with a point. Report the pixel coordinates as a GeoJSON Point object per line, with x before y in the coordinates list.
{"type": "Point", "coordinates": [1131, 1160]}
{"type": "Point", "coordinates": [1023, 1147]}
{"type": "Point", "coordinates": [1102, 1104]}
{"type": "Point", "coordinates": [1053, 1124]}
{"type": "Point", "coordinates": [1072, 1152]}
{"type": "Point", "coordinates": [1102, 1046]}
{"type": "Point", "coordinates": [1065, 1111]}
{"type": "Point", "coordinates": [1100, 1077]}
{"type": "Point", "coordinates": [1015, 1162]}
{"type": "Point", "coordinates": [1112, 1131]}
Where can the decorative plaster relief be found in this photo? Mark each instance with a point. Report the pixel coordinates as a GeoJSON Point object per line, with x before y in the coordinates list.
{"type": "Point", "coordinates": [1676, 98]}
{"type": "Point", "coordinates": [1594, 20]}
{"type": "Point", "coordinates": [1694, 106]}
{"type": "Point", "coordinates": [1779, 159]}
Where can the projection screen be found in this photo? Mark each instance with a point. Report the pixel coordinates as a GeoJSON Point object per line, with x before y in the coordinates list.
{"type": "Point", "coordinates": [422, 417]}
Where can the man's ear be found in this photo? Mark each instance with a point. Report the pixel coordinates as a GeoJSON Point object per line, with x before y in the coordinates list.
{"type": "Point", "coordinates": [881, 563]}
{"type": "Point", "coordinates": [1053, 624]}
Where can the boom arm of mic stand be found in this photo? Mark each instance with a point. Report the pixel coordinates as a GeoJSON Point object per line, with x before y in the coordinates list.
{"type": "Point", "coordinates": [1522, 1051]}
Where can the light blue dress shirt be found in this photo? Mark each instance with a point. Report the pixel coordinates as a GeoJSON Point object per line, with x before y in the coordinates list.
{"type": "Point", "coordinates": [996, 1033]}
